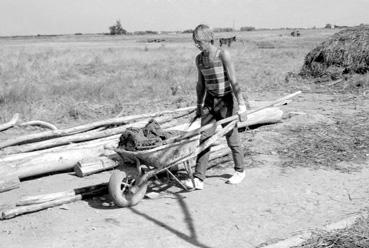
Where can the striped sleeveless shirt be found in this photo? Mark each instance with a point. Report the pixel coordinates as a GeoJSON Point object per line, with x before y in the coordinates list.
{"type": "Point", "coordinates": [216, 77]}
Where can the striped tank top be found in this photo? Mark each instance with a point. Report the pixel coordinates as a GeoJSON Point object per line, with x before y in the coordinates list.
{"type": "Point", "coordinates": [216, 77]}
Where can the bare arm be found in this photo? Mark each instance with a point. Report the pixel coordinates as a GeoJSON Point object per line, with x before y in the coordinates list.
{"type": "Point", "coordinates": [200, 86]}
{"type": "Point", "coordinates": [228, 64]}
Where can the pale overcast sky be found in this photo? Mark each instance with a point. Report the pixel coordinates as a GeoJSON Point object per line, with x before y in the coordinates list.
{"type": "Point", "coordinates": [29, 17]}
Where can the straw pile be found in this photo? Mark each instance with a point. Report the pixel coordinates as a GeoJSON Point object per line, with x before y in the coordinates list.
{"type": "Point", "coordinates": [326, 145]}
{"type": "Point", "coordinates": [345, 52]}
{"type": "Point", "coordinates": [356, 236]}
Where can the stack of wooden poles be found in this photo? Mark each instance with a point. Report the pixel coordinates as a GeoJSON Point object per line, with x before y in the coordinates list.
{"type": "Point", "coordinates": [83, 149]}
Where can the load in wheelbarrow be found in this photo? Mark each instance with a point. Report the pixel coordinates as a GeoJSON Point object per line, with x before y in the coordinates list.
{"type": "Point", "coordinates": [128, 188]}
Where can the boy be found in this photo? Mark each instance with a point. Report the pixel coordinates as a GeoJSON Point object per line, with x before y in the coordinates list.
{"type": "Point", "coordinates": [217, 84]}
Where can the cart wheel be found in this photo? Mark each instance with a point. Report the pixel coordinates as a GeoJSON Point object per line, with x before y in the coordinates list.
{"type": "Point", "coordinates": [124, 189]}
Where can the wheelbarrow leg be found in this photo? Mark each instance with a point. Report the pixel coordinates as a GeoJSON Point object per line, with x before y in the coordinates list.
{"type": "Point", "coordinates": [177, 180]}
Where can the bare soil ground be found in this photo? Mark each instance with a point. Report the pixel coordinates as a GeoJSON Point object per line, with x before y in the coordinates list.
{"type": "Point", "coordinates": [274, 201]}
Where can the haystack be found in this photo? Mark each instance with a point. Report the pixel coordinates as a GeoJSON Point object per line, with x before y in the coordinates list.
{"type": "Point", "coordinates": [344, 52]}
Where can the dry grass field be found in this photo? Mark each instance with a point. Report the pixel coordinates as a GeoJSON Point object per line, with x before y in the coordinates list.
{"type": "Point", "coordinates": [81, 78]}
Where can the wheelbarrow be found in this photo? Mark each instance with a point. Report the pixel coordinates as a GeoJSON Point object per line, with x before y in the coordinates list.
{"type": "Point", "coordinates": [128, 188]}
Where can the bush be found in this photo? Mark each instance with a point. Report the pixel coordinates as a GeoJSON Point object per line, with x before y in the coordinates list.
{"type": "Point", "coordinates": [223, 30]}
{"type": "Point", "coordinates": [247, 28]}
{"type": "Point", "coordinates": [117, 29]}
{"type": "Point", "coordinates": [151, 32]}
{"type": "Point", "coordinates": [145, 32]}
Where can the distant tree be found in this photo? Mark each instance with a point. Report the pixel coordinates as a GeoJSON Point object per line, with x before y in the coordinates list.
{"type": "Point", "coordinates": [247, 28]}
{"type": "Point", "coordinates": [329, 26]}
{"type": "Point", "coordinates": [117, 29]}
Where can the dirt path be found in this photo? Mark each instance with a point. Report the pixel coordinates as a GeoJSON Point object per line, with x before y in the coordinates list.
{"type": "Point", "coordinates": [272, 203]}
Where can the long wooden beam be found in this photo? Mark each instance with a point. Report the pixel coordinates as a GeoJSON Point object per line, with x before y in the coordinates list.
{"type": "Point", "coordinates": [9, 182]}
{"type": "Point", "coordinates": [37, 199]}
{"type": "Point", "coordinates": [13, 212]}
{"type": "Point", "coordinates": [86, 136]}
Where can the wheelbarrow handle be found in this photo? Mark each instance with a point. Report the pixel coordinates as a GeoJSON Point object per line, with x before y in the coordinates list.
{"type": "Point", "coordinates": [232, 122]}
{"type": "Point", "coordinates": [208, 126]}
{"type": "Point", "coordinates": [202, 146]}
{"type": "Point", "coordinates": [235, 117]}
{"type": "Point", "coordinates": [223, 121]}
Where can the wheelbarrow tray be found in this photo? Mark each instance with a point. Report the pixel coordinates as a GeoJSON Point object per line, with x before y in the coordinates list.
{"type": "Point", "coordinates": [163, 155]}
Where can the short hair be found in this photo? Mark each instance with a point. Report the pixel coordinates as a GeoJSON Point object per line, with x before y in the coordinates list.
{"type": "Point", "coordinates": [203, 33]}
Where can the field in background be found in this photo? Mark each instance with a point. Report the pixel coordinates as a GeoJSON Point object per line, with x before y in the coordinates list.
{"type": "Point", "coordinates": [71, 79]}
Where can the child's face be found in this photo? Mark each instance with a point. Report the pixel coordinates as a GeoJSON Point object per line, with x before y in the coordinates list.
{"type": "Point", "coordinates": [202, 45]}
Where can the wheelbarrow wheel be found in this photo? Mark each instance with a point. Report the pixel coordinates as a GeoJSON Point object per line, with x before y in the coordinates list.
{"type": "Point", "coordinates": [125, 189]}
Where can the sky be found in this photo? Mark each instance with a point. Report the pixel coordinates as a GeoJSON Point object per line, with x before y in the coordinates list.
{"type": "Point", "coordinates": [31, 17]}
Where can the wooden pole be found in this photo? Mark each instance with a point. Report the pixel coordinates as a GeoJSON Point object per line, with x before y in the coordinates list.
{"type": "Point", "coordinates": [235, 117]}
{"type": "Point", "coordinates": [37, 199]}
{"type": "Point", "coordinates": [9, 182]}
{"type": "Point", "coordinates": [264, 116]}
{"type": "Point", "coordinates": [275, 102]}
{"type": "Point", "coordinates": [23, 157]}
{"type": "Point", "coordinates": [93, 165]}
{"type": "Point", "coordinates": [66, 157]}
{"type": "Point", "coordinates": [48, 163]}
{"type": "Point", "coordinates": [39, 123]}
{"type": "Point", "coordinates": [30, 200]}
{"type": "Point", "coordinates": [63, 158]}
{"type": "Point", "coordinates": [84, 128]}
{"type": "Point", "coordinates": [13, 212]}
{"type": "Point", "coordinates": [10, 123]}
{"type": "Point", "coordinates": [58, 160]}
{"type": "Point", "coordinates": [80, 137]}
{"type": "Point", "coordinates": [65, 140]}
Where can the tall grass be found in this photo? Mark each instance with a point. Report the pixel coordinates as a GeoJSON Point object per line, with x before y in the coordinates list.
{"type": "Point", "coordinates": [63, 80]}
